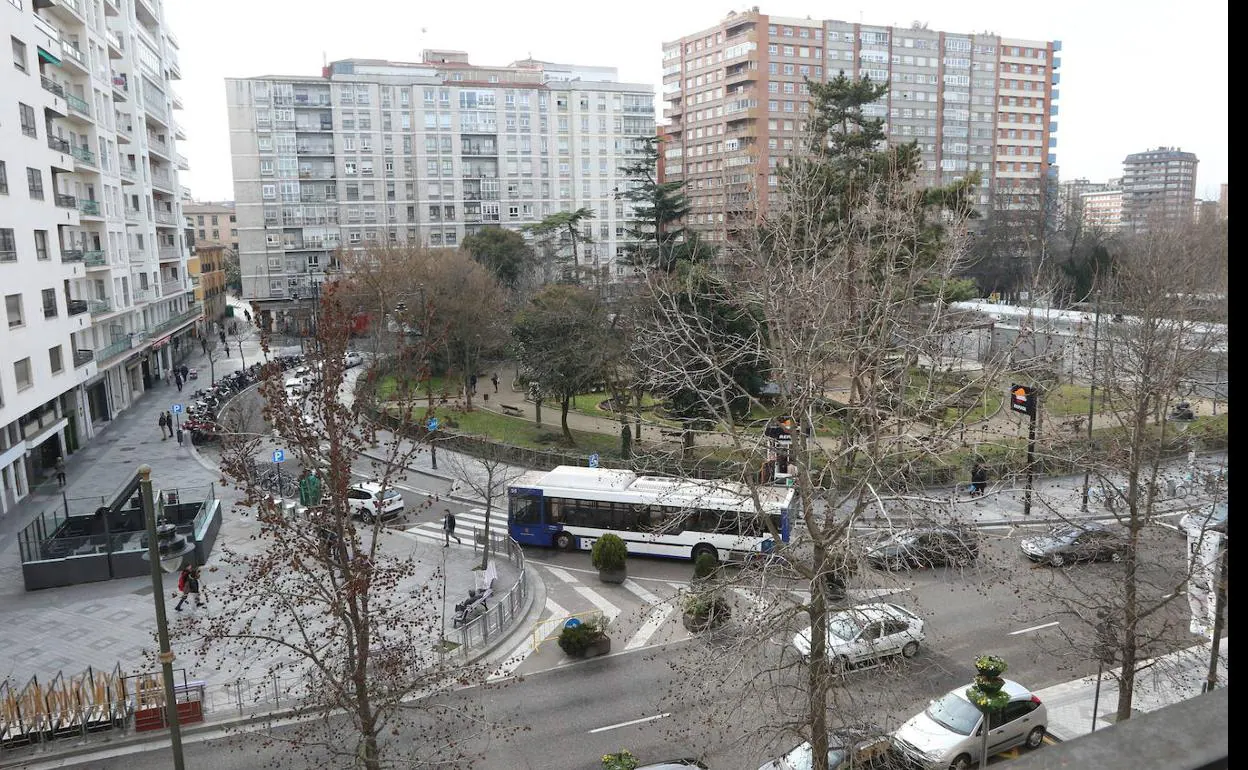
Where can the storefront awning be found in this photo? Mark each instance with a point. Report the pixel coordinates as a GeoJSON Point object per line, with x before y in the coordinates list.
{"type": "Point", "coordinates": [49, 58]}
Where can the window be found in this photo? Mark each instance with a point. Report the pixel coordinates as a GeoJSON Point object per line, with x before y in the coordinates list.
{"type": "Point", "coordinates": [266, 169]}
{"type": "Point", "coordinates": [28, 119]}
{"type": "Point", "coordinates": [21, 373]}
{"type": "Point", "coordinates": [13, 306]}
{"type": "Point", "coordinates": [268, 191]}
{"type": "Point", "coordinates": [19, 54]}
{"type": "Point", "coordinates": [34, 181]}
{"type": "Point", "coordinates": [8, 245]}
{"type": "Point", "coordinates": [54, 358]}
{"type": "Point", "coordinates": [49, 303]}
{"type": "Point", "coordinates": [4, 179]}
{"type": "Point", "coordinates": [41, 244]}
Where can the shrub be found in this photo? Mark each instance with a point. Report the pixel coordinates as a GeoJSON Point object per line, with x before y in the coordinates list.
{"type": "Point", "coordinates": [705, 566]}
{"type": "Point", "coordinates": [576, 639]}
{"type": "Point", "coordinates": [704, 605]}
{"type": "Point", "coordinates": [623, 760]}
{"type": "Point", "coordinates": [608, 553]}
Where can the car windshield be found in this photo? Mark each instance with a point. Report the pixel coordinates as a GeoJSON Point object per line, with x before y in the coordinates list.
{"type": "Point", "coordinates": [802, 758]}
{"type": "Point", "coordinates": [844, 626]}
{"type": "Point", "coordinates": [954, 713]}
{"type": "Point", "coordinates": [391, 494]}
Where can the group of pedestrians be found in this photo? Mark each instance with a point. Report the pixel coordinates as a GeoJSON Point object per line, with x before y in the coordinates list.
{"type": "Point", "coordinates": [166, 424]}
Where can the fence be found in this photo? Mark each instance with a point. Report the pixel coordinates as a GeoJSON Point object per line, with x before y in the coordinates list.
{"type": "Point", "coordinates": [496, 621]}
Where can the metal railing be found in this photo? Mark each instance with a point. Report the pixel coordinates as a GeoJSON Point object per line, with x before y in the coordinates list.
{"type": "Point", "coordinates": [166, 217]}
{"type": "Point", "coordinates": [497, 621]}
{"type": "Point", "coordinates": [94, 257]}
{"type": "Point", "coordinates": [84, 154]}
{"type": "Point", "coordinates": [82, 357]}
{"type": "Point", "coordinates": [129, 175]}
{"type": "Point", "coordinates": [172, 287]}
{"type": "Point", "coordinates": [163, 179]}
{"type": "Point", "coordinates": [76, 306]}
{"type": "Point", "coordinates": [58, 144]}
{"type": "Point", "coordinates": [74, 53]}
{"type": "Point", "coordinates": [116, 348]}
{"type": "Point", "coordinates": [66, 201]}
{"type": "Point", "coordinates": [99, 306]}
{"type": "Point", "coordinates": [178, 319]}
{"type": "Point", "coordinates": [71, 255]}
{"type": "Point", "coordinates": [51, 86]}
{"type": "Point", "coordinates": [78, 105]}
{"type": "Point", "coordinates": [169, 252]}
{"type": "Point", "coordinates": [89, 207]}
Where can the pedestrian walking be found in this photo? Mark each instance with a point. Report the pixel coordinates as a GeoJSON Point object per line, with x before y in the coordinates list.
{"type": "Point", "coordinates": [185, 371]}
{"type": "Point", "coordinates": [979, 479]}
{"type": "Point", "coordinates": [494, 380]}
{"type": "Point", "coordinates": [227, 348]}
{"type": "Point", "coordinates": [247, 315]}
{"type": "Point", "coordinates": [188, 584]}
{"type": "Point", "coordinates": [472, 384]}
{"type": "Point", "coordinates": [60, 471]}
{"type": "Point", "coordinates": [203, 342]}
{"type": "Point", "coordinates": [163, 423]}
{"type": "Point", "coordinates": [177, 378]}
{"type": "Point", "coordinates": [448, 529]}
{"type": "Point", "coordinates": [169, 422]}
{"type": "Point", "coordinates": [168, 376]}
{"type": "Point", "coordinates": [221, 334]}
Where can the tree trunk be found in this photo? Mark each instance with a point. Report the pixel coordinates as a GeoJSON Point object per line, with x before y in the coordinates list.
{"type": "Point", "coordinates": [637, 415]}
{"type": "Point", "coordinates": [817, 672]}
{"type": "Point", "coordinates": [563, 418]}
{"type": "Point", "coordinates": [489, 506]}
{"type": "Point", "coordinates": [686, 443]}
{"type": "Point", "coordinates": [537, 411]}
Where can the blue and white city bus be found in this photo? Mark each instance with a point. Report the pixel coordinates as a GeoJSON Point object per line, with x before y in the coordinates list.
{"type": "Point", "coordinates": [570, 507]}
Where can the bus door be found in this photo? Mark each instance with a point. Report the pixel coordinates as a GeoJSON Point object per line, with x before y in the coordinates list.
{"type": "Point", "coordinates": [524, 517]}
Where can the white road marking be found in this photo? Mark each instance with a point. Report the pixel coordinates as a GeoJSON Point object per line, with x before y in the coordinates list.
{"type": "Point", "coordinates": [641, 721]}
{"type": "Point", "coordinates": [609, 611]}
{"type": "Point", "coordinates": [642, 593]}
{"type": "Point", "coordinates": [557, 615]}
{"type": "Point", "coordinates": [1034, 628]}
{"type": "Point", "coordinates": [653, 622]}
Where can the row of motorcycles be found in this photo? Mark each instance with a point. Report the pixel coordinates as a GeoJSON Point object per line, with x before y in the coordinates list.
{"type": "Point", "coordinates": [204, 412]}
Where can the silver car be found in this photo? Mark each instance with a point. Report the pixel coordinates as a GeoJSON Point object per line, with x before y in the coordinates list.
{"type": "Point", "coordinates": [947, 733]}
{"type": "Point", "coordinates": [867, 633]}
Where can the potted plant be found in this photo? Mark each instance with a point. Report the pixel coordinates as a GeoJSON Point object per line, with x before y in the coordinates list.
{"type": "Point", "coordinates": [621, 760]}
{"type": "Point", "coordinates": [704, 610]}
{"type": "Point", "coordinates": [990, 666]}
{"type": "Point", "coordinates": [584, 640]}
{"type": "Point", "coordinates": [609, 555]}
{"type": "Point", "coordinates": [705, 567]}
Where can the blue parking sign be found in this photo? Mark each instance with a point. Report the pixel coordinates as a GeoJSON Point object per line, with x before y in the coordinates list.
{"type": "Point", "coordinates": [593, 460]}
{"type": "Point", "coordinates": [432, 424]}
{"type": "Point", "coordinates": [279, 455]}
{"type": "Point", "coordinates": [177, 408]}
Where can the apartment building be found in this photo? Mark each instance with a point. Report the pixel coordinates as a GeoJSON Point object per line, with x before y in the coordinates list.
{"type": "Point", "coordinates": [738, 104]}
{"type": "Point", "coordinates": [425, 153]}
{"type": "Point", "coordinates": [1158, 188]}
{"type": "Point", "coordinates": [1102, 209]}
{"type": "Point", "coordinates": [92, 262]}
{"type": "Point", "coordinates": [212, 229]}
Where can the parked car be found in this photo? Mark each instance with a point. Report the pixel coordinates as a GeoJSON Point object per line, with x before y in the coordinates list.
{"type": "Point", "coordinates": [1086, 541]}
{"type": "Point", "coordinates": [296, 386]}
{"type": "Point", "coordinates": [946, 734]}
{"type": "Point", "coordinates": [369, 501]}
{"type": "Point", "coordinates": [931, 546]}
{"type": "Point", "coordinates": [856, 751]}
{"type": "Point", "coordinates": [867, 633]}
{"type": "Point", "coordinates": [352, 358]}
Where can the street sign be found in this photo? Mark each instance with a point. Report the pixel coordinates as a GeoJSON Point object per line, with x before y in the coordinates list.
{"type": "Point", "coordinates": [1023, 400]}
{"type": "Point", "coordinates": [572, 623]}
{"type": "Point", "coordinates": [432, 424]}
{"type": "Point", "coordinates": [593, 460]}
{"type": "Point", "coordinates": [279, 455]}
{"type": "Point", "coordinates": [177, 408]}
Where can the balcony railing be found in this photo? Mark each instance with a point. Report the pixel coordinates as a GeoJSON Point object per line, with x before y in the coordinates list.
{"type": "Point", "coordinates": [71, 255]}
{"type": "Point", "coordinates": [89, 207]}
{"type": "Point", "coordinates": [99, 306]}
{"type": "Point", "coordinates": [163, 179]}
{"type": "Point", "coordinates": [157, 144]}
{"type": "Point", "coordinates": [77, 306]}
{"type": "Point", "coordinates": [125, 130]}
{"type": "Point", "coordinates": [183, 163]}
{"type": "Point", "coordinates": [82, 357]}
{"type": "Point", "coordinates": [172, 287]}
{"type": "Point", "coordinates": [72, 52]}
{"type": "Point", "coordinates": [51, 86]}
{"type": "Point", "coordinates": [166, 218]}
{"type": "Point", "coordinates": [129, 174]}
{"type": "Point", "coordinates": [58, 144]}
{"type": "Point", "coordinates": [95, 257]}
{"type": "Point", "coordinates": [169, 252]}
{"type": "Point", "coordinates": [176, 320]}
{"type": "Point", "coordinates": [116, 348]}
{"type": "Point", "coordinates": [66, 201]}
{"type": "Point", "coordinates": [84, 154]}
{"type": "Point", "coordinates": [78, 105]}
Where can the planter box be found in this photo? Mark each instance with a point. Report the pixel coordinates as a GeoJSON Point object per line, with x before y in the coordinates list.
{"type": "Point", "coordinates": [613, 575]}
{"type": "Point", "coordinates": [600, 647]}
{"type": "Point", "coordinates": [698, 623]}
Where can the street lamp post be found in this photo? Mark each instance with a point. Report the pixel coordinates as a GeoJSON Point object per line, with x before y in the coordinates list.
{"type": "Point", "coordinates": [165, 552]}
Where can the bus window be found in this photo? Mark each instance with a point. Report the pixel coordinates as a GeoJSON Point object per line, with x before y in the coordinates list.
{"type": "Point", "coordinates": [525, 510]}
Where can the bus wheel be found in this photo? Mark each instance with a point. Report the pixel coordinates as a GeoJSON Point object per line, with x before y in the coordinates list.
{"type": "Point", "coordinates": [563, 541]}
{"type": "Point", "coordinates": [702, 548]}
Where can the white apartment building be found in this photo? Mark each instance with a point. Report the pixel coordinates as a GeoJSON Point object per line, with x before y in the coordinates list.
{"type": "Point", "coordinates": [92, 256]}
{"type": "Point", "coordinates": [427, 153]}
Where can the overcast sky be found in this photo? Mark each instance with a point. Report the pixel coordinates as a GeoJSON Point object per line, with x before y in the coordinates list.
{"type": "Point", "coordinates": [1135, 74]}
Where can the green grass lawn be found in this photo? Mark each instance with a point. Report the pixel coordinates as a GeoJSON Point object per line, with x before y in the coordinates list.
{"type": "Point", "coordinates": [389, 387]}
{"type": "Point", "coordinates": [523, 432]}
{"type": "Point", "coordinates": [1066, 400]}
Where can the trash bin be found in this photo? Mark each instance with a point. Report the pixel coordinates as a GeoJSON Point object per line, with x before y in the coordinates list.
{"type": "Point", "coordinates": [179, 437]}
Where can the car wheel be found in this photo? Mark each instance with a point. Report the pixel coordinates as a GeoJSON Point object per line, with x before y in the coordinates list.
{"type": "Point", "coordinates": [1115, 556]}
{"type": "Point", "coordinates": [1035, 738]}
{"type": "Point", "coordinates": [961, 762]}
{"type": "Point", "coordinates": [1057, 560]}
{"type": "Point", "coordinates": [563, 541]}
{"type": "Point", "coordinates": [702, 548]}
{"type": "Point", "coordinates": [910, 650]}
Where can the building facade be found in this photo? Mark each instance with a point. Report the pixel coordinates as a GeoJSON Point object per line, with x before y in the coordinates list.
{"type": "Point", "coordinates": [1102, 210]}
{"type": "Point", "coordinates": [213, 222]}
{"type": "Point", "coordinates": [206, 267]}
{"type": "Point", "coordinates": [92, 259]}
{"type": "Point", "coordinates": [1158, 188]}
{"type": "Point", "coordinates": [425, 153]}
{"type": "Point", "coordinates": [736, 97]}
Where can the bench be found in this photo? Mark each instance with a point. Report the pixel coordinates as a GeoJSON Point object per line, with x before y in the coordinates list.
{"type": "Point", "coordinates": [512, 410]}
{"type": "Point", "coordinates": [672, 433]}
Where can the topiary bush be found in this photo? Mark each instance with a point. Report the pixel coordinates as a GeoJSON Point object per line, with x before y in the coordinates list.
{"type": "Point", "coordinates": [609, 553]}
{"type": "Point", "coordinates": [705, 566]}
{"type": "Point", "coordinates": [574, 640]}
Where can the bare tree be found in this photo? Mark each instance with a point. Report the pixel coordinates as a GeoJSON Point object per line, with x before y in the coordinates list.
{"type": "Point", "coordinates": [342, 607]}
{"type": "Point", "coordinates": [488, 479]}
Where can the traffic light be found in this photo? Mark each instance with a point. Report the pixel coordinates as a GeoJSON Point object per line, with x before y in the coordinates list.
{"type": "Point", "coordinates": [1022, 400]}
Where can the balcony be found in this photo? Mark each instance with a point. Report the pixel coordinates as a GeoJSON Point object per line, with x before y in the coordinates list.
{"type": "Point", "coordinates": [85, 155]}
{"type": "Point", "coordinates": [157, 145]}
{"type": "Point", "coordinates": [116, 48]}
{"type": "Point", "coordinates": [51, 86]}
{"type": "Point", "coordinates": [74, 54]}
{"type": "Point", "coordinates": [89, 207]}
{"type": "Point", "coordinates": [177, 320]}
{"type": "Point", "coordinates": [142, 295]}
{"type": "Point", "coordinates": [58, 144]}
{"type": "Point", "coordinates": [78, 105]}
{"type": "Point", "coordinates": [163, 180]}
{"type": "Point", "coordinates": [76, 306]}
{"type": "Point", "coordinates": [71, 255]}
{"type": "Point", "coordinates": [116, 348]}
{"type": "Point", "coordinates": [169, 288]}
{"type": "Point", "coordinates": [315, 149]}
{"type": "Point", "coordinates": [169, 253]}
{"type": "Point", "coordinates": [138, 257]}
{"type": "Point", "coordinates": [479, 149]}
{"type": "Point", "coordinates": [66, 10]}
{"type": "Point", "coordinates": [95, 258]}
{"type": "Point", "coordinates": [155, 110]}
{"type": "Point", "coordinates": [82, 357]}
{"type": "Point", "coordinates": [121, 87]}
{"type": "Point", "coordinates": [166, 218]}
{"type": "Point", "coordinates": [66, 201]}
{"type": "Point", "coordinates": [128, 174]}
{"type": "Point", "coordinates": [125, 132]}
{"type": "Point", "coordinates": [134, 215]}
{"type": "Point", "coordinates": [183, 163]}
{"type": "Point", "coordinates": [99, 306]}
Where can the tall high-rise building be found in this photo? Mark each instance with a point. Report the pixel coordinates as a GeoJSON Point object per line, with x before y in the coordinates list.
{"type": "Point", "coordinates": [92, 258]}
{"type": "Point", "coordinates": [376, 152]}
{"type": "Point", "coordinates": [736, 96]}
{"type": "Point", "coordinates": [1158, 188]}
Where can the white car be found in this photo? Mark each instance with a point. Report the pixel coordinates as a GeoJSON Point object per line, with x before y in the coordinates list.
{"type": "Point", "coordinates": [352, 358]}
{"type": "Point", "coordinates": [369, 501]}
{"type": "Point", "coordinates": [946, 734]}
{"type": "Point", "coordinates": [867, 633]}
{"type": "Point", "coordinates": [296, 386]}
